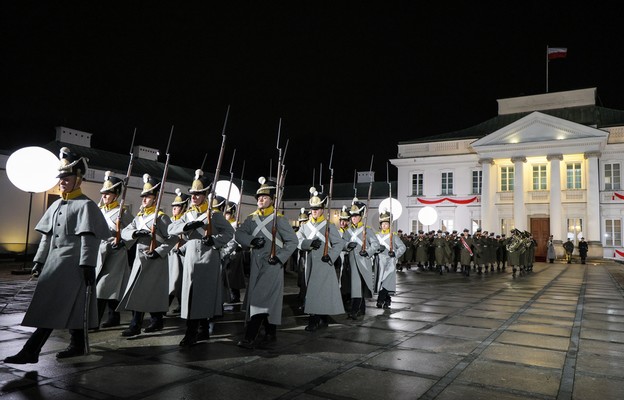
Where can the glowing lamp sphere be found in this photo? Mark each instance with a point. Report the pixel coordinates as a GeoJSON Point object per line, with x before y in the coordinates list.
{"type": "Point", "coordinates": [33, 169]}
{"type": "Point", "coordinates": [222, 190]}
{"type": "Point", "coordinates": [427, 215]}
{"type": "Point", "coordinates": [397, 208]}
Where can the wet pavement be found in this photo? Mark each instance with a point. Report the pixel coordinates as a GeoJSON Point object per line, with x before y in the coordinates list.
{"type": "Point", "coordinates": [554, 333]}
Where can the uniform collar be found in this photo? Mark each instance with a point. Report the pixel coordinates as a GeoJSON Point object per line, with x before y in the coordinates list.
{"type": "Point", "coordinates": [200, 208]}
{"type": "Point", "coordinates": [111, 206]}
{"type": "Point", "coordinates": [359, 224]}
{"type": "Point", "coordinates": [71, 195]}
{"type": "Point", "coordinates": [318, 220]}
{"type": "Point", "coordinates": [265, 212]}
{"type": "Point", "coordinates": [148, 210]}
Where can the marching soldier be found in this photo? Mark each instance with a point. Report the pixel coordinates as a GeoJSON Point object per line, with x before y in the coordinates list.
{"type": "Point", "coordinates": [148, 286]}
{"type": "Point", "coordinates": [72, 229]}
{"type": "Point", "coordinates": [233, 258]}
{"type": "Point", "coordinates": [112, 270]}
{"type": "Point", "coordinates": [583, 248]}
{"type": "Point", "coordinates": [391, 249]}
{"type": "Point", "coordinates": [466, 251]}
{"type": "Point", "coordinates": [323, 294]}
{"type": "Point", "coordinates": [344, 277]}
{"type": "Point", "coordinates": [421, 245]}
{"type": "Point", "coordinates": [440, 250]}
{"type": "Point", "coordinates": [265, 293]}
{"type": "Point", "coordinates": [176, 260]}
{"type": "Point", "coordinates": [301, 260]}
{"type": "Point", "coordinates": [356, 237]}
{"type": "Point", "coordinates": [202, 283]}
{"type": "Point", "coordinates": [569, 248]}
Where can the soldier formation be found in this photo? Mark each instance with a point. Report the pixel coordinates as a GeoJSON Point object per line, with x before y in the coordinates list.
{"type": "Point", "coordinates": [104, 261]}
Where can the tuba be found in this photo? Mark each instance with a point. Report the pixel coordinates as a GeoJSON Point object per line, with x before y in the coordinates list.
{"type": "Point", "coordinates": [516, 242]}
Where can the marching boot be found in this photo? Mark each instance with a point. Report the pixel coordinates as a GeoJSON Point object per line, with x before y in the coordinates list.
{"type": "Point", "coordinates": [135, 325]}
{"type": "Point", "coordinates": [156, 323]}
{"type": "Point", "coordinates": [205, 330]}
{"type": "Point", "coordinates": [313, 323]}
{"type": "Point", "coordinates": [190, 336]}
{"type": "Point", "coordinates": [76, 345]}
{"type": "Point", "coordinates": [29, 354]}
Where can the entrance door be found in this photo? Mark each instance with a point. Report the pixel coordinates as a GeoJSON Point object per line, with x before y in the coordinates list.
{"type": "Point", "coordinates": [540, 229]}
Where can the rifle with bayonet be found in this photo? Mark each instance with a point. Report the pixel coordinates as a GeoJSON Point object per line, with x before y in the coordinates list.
{"type": "Point", "coordinates": [279, 186]}
{"type": "Point", "coordinates": [227, 198]}
{"type": "Point", "coordinates": [213, 188]}
{"type": "Point", "coordinates": [153, 241]}
{"type": "Point", "coordinates": [240, 202]}
{"type": "Point", "coordinates": [370, 191]}
{"type": "Point", "coordinates": [391, 244]}
{"type": "Point", "coordinates": [122, 201]}
{"type": "Point", "coordinates": [325, 257]}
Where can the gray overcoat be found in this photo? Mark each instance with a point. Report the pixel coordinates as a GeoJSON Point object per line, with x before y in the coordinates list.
{"type": "Point", "coordinates": [71, 234]}
{"type": "Point", "coordinates": [265, 291]}
{"type": "Point", "coordinates": [148, 286]}
{"type": "Point", "coordinates": [361, 266]}
{"type": "Point", "coordinates": [323, 292]}
{"type": "Point", "coordinates": [202, 282]}
{"type": "Point", "coordinates": [386, 268]}
{"type": "Point", "coordinates": [112, 270]}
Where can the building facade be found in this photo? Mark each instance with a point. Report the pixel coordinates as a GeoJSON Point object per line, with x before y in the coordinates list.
{"type": "Point", "coordinates": [549, 164]}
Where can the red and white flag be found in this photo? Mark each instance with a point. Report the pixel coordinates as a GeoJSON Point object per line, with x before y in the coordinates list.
{"type": "Point", "coordinates": [557, 52]}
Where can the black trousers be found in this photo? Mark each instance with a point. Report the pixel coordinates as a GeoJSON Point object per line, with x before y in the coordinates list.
{"type": "Point", "coordinates": [255, 323]}
{"type": "Point", "coordinates": [40, 336]}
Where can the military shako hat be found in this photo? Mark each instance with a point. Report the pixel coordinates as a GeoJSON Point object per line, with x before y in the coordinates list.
{"type": "Point", "coordinates": [344, 213]}
{"type": "Point", "coordinates": [218, 202]}
{"type": "Point", "coordinates": [384, 216]}
{"type": "Point", "coordinates": [267, 187]}
{"type": "Point", "coordinates": [231, 207]}
{"type": "Point", "coordinates": [181, 199]}
{"type": "Point", "coordinates": [357, 207]}
{"type": "Point", "coordinates": [151, 186]}
{"type": "Point", "coordinates": [200, 184]}
{"type": "Point", "coordinates": [303, 216]}
{"type": "Point", "coordinates": [111, 184]}
{"type": "Point", "coordinates": [317, 199]}
{"type": "Point", "coordinates": [71, 164]}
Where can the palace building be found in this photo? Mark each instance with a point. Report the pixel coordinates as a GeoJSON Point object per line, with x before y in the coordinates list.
{"type": "Point", "coordinates": [549, 164]}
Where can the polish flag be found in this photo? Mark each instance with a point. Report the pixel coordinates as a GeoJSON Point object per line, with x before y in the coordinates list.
{"type": "Point", "coordinates": [557, 52]}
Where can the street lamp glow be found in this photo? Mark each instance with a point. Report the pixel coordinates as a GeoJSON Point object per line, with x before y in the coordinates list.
{"type": "Point", "coordinates": [397, 208]}
{"type": "Point", "coordinates": [222, 190]}
{"type": "Point", "coordinates": [33, 169]}
{"type": "Point", "coordinates": [427, 215]}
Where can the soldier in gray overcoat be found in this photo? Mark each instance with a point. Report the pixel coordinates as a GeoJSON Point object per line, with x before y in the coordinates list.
{"type": "Point", "coordinates": [176, 259]}
{"type": "Point", "coordinates": [71, 228]}
{"type": "Point", "coordinates": [323, 296]}
{"type": "Point", "coordinates": [112, 270]}
{"type": "Point", "coordinates": [232, 258]}
{"type": "Point", "coordinates": [148, 286]}
{"type": "Point", "coordinates": [265, 292]}
{"type": "Point", "coordinates": [362, 285]}
{"type": "Point", "coordinates": [202, 282]}
{"type": "Point", "coordinates": [387, 257]}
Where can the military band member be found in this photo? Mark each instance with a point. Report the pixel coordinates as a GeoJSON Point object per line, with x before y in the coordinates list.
{"type": "Point", "coordinates": [362, 285]}
{"type": "Point", "coordinates": [323, 293]}
{"type": "Point", "coordinates": [148, 286]}
{"type": "Point", "coordinates": [72, 229]}
{"type": "Point", "coordinates": [112, 270]}
{"type": "Point", "coordinates": [202, 281]}
{"type": "Point", "coordinates": [265, 291]}
{"type": "Point", "coordinates": [176, 260]}
{"type": "Point", "coordinates": [387, 261]}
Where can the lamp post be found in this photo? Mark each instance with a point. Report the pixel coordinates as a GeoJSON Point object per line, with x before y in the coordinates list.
{"type": "Point", "coordinates": [33, 170]}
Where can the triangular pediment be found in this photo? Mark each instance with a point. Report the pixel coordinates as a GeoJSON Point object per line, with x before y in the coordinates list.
{"type": "Point", "coordinates": [538, 127]}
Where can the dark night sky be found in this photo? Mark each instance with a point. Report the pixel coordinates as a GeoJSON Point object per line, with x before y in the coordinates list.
{"type": "Point", "coordinates": [360, 77]}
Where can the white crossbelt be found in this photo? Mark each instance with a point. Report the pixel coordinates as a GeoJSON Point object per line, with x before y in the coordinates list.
{"type": "Point", "coordinates": [315, 231]}
{"type": "Point", "coordinates": [143, 221]}
{"type": "Point", "coordinates": [199, 217]}
{"type": "Point", "coordinates": [111, 218]}
{"type": "Point", "coordinates": [261, 227]}
{"type": "Point", "coordinates": [383, 239]}
{"type": "Point", "coordinates": [355, 235]}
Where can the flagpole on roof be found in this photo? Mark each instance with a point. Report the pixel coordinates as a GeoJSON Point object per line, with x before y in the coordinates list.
{"type": "Point", "coordinates": [546, 68]}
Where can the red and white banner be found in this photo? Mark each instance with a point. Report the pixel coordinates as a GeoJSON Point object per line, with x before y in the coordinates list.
{"type": "Point", "coordinates": [619, 253]}
{"type": "Point", "coordinates": [619, 196]}
{"type": "Point", "coordinates": [557, 52]}
{"type": "Point", "coordinates": [454, 201]}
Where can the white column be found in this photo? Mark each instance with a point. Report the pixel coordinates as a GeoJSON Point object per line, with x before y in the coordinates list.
{"type": "Point", "coordinates": [591, 227]}
{"type": "Point", "coordinates": [519, 209]}
{"type": "Point", "coordinates": [555, 197]}
{"type": "Point", "coordinates": [488, 196]}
